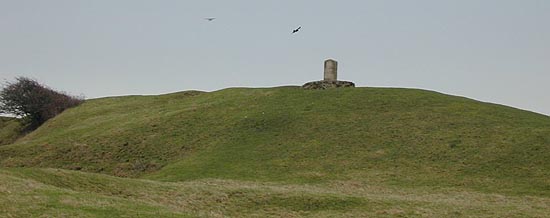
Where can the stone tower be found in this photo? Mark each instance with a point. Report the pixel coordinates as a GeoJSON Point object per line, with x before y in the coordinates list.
{"type": "Point", "coordinates": [331, 70]}
{"type": "Point", "coordinates": [330, 79]}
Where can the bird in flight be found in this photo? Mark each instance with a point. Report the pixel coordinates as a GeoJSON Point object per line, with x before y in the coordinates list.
{"type": "Point", "coordinates": [210, 18]}
{"type": "Point", "coordinates": [296, 30]}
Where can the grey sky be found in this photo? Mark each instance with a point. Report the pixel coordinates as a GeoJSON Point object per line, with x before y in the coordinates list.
{"type": "Point", "coordinates": [490, 50]}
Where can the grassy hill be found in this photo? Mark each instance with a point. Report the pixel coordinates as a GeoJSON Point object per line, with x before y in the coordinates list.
{"type": "Point", "coordinates": [366, 138]}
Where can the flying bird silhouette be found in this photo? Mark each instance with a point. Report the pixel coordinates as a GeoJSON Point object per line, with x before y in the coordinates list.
{"type": "Point", "coordinates": [296, 30]}
{"type": "Point", "coordinates": [210, 18]}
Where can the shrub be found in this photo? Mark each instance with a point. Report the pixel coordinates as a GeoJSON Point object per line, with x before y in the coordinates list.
{"type": "Point", "coordinates": [34, 102]}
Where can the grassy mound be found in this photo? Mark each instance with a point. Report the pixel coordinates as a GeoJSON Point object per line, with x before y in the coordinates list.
{"type": "Point", "coordinates": [396, 137]}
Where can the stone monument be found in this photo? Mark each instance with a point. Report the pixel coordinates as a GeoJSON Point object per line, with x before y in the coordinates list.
{"type": "Point", "coordinates": [331, 70]}
{"type": "Point", "coordinates": [330, 78]}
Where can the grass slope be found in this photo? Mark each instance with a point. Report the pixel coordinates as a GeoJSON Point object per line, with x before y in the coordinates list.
{"type": "Point", "coordinates": [62, 193]}
{"type": "Point", "coordinates": [10, 130]}
{"type": "Point", "coordinates": [48, 193]}
{"type": "Point", "coordinates": [393, 137]}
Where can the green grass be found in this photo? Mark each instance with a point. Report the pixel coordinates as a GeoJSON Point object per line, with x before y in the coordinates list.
{"type": "Point", "coordinates": [47, 193]}
{"type": "Point", "coordinates": [61, 193]}
{"type": "Point", "coordinates": [10, 130]}
{"type": "Point", "coordinates": [397, 139]}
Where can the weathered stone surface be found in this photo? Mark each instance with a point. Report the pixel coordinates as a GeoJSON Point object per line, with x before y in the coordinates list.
{"type": "Point", "coordinates": [324, 84]}
{"type": "Point", "coordinates": [331, 70]}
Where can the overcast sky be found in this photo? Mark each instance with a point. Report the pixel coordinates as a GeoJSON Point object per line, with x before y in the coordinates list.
{"type": "Point", "coordinates": [490, 50]}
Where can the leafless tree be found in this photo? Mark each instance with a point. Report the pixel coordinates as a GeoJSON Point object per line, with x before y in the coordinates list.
{"type": "Point", "coordinates": [34, 102]}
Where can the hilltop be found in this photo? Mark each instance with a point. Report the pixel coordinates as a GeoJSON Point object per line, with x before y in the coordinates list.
{"type": "Point", "coordinates": [282, 151]}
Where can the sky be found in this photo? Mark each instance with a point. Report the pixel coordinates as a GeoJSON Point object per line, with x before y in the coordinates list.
{"type": "Point", "coordinates": [490, 50]}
